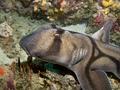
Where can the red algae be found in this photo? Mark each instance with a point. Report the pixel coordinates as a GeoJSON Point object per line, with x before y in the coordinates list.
{"type": "Point", "coordinates": [2, 71]}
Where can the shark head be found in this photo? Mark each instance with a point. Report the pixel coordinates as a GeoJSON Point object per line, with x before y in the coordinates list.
{"type": "Point", "coordinates": [49, 42]}
{"type": "Point", "coordinates": [56, 44]}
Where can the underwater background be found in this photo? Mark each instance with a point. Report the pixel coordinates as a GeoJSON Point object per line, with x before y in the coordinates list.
{"type": "Point", "coordinates": [21, 17]}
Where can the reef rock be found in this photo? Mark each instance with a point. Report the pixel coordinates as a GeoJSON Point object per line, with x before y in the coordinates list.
{"type": "Point", "coordinates": [5, 30]}
{"type": "Point", "coordinates": [3, 58]}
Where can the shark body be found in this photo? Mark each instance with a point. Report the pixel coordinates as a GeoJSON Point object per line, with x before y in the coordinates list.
{"type": "Point", "coordinates": [88, 57]}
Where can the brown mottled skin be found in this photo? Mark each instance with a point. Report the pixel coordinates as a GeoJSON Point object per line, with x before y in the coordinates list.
{"type": "Point", "coordinates": [88, 57]}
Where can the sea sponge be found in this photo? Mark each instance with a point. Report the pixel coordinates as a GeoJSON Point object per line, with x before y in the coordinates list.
{"type": "Point", "coordinates": [107, 3]}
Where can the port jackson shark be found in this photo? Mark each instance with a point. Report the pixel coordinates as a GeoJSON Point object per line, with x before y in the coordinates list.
{"type": "Point", "coordinates": [89, 57]}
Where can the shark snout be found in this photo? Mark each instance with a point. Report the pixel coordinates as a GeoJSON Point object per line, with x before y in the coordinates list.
{"type": "Point", "coordinates": [23, 44]}
{"type": "Point", "coordinates": [27, 44]}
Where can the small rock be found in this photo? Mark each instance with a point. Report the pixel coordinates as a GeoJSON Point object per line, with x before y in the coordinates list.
{"type": "Point", "coordinates": [3, 58]}
{"type": "Point", "coordinates": [5, 30]}
{"type": "Point", "coordinates": [71, 78]}
{"type": "Point", "coordinates": [76, 28]}
{"type": "Point", "coordinates": [26, 3]}
{"type": "Point", "coordinates": [53, 87]}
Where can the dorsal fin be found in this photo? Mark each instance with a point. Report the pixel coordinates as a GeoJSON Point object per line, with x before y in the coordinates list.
{"type": "Point", "coordinates": [103, 33]}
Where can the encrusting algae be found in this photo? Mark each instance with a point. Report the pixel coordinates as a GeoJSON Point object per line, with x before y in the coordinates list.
{"type": "Point", "coordinates": [2, 71]}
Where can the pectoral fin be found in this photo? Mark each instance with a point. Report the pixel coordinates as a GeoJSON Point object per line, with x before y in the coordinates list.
{"type": "Point", "coordinates": [103, 33]}
{"type": "Point", "coordinates": [108, 65]}
{"type": "Point", "coordinates": [100, 80]}
{"type": "Point", "coordinates": [97, 80]}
